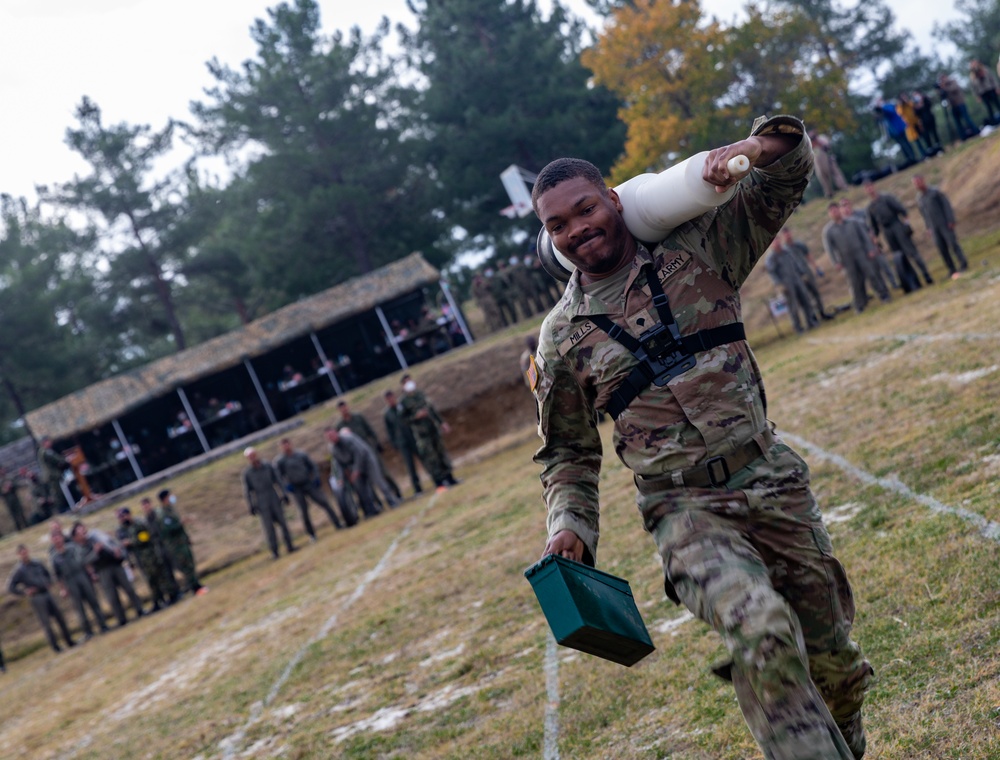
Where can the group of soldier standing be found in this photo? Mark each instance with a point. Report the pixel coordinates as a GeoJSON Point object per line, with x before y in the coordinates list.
{"type": "Point", "coordinates": [358, 479]}
{"type": "Point", "coordinates": [873, 247]}
{"type": "Point", "coordinates": [516, 289]}
{"type": "Point", "coordinates": [157, 544]}
{"type": "Point", "coordinates": [44, 487]}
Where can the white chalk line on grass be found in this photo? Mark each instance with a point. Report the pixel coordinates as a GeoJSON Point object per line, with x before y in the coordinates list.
{"type": "Point", "coordinates": [905, 338]}
{"type": "Point", "coordinates": [232, 743]}
{"type": "Point", "coordinates": [550, 744]}
{"type": "Point", "coordinates": [987, 528]}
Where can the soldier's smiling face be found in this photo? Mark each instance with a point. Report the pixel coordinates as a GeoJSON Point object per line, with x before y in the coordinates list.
{"type": "Point", "coordinates": [586, 225]}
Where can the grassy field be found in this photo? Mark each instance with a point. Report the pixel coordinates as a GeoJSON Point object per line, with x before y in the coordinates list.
{"type": "Point", "coordinates": [416, 635]}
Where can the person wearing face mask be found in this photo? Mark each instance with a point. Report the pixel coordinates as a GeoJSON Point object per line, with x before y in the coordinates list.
{"type": "Point", "coordinates": [177, 542]}
{"type": "Point", "coordinates": [427, 427]}
{"type": "Point", "coordinates": [134, 535]}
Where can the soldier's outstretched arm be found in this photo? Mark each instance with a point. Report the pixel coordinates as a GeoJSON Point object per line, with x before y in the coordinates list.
{"type": "Point", "coordinates": [570, 456]}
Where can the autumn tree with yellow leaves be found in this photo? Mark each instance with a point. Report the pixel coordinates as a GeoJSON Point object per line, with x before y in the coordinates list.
{"type": "Point", "coordinates": [688, 83]}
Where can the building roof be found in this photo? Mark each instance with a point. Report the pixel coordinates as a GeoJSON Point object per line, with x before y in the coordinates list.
{"type": "Point", "coordinates": [109, 399]}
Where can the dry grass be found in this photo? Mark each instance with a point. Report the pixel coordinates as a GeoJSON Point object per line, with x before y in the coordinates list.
{"type": "Point", "coordinates": [442, 654]}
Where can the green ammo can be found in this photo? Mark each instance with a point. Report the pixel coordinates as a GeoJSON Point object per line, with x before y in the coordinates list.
{"type": "Point", "coordinates": [590, 610]}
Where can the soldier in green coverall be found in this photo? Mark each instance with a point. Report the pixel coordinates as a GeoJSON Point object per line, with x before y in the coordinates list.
{"type": "Point", "coordinates": [135, 536]}
{"type": "Point", "coordinates": [427, 427]}
{"type": "Point", "coordinates": [176, 542]}
{"type": "Point", "coordinates": [727, 503]}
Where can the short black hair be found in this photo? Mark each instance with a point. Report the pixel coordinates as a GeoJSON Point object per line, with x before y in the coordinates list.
{"type": "Point", "coordinates": [163, 494]}
{"type": "Point", "coordinates": [833, 204]}
{"type": "Point", "coordinates": [563, 169]}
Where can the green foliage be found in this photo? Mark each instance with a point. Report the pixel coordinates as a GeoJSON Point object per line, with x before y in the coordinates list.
{"type": "Point", "coordinates": [977, 36]}
{"type": "Point", "coordinates": [41, 354]}
{"type": "Point", "coordinates": [137, 219]}
{"type": "Point", "coordinates": [333, 188]}
{"type": "Point", "coordinates": [503, 86]}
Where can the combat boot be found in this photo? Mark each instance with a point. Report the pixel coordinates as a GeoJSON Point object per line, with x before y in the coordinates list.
{"type": "Point", "coordinates": [854, 734]}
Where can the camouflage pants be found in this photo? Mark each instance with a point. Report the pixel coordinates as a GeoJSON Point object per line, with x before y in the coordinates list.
{"type": "Point", "coordinates": [182, 559]}
{"type": "Point", "coordinates": [756, 564]}
{"type": "Point", "coordinates": [162, 586]}
{"type": "Point", "coordinates": [430, 449]}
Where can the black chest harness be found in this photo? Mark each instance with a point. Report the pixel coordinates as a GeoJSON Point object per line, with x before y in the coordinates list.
{"type": "Point", "coordinates": [663, 353]}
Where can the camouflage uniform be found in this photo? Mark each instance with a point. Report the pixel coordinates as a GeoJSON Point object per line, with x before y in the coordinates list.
{"type": "Point", "coordinates": [500, 287]}
{"type": "Point", "coordinates": [483, 294]}
{"type": "Point", "coordinates": [545, 284]}
{"type": "Point", "coordinates": [522, 288]}
{"type": "Point", "coordinates": [177, 546]}
{"type": "Point", "coordinates": [8, 490]}
{"type": "Point", "coordinates": [137, 538]}
{"type": "Point", "coordinates": [51, 465]}
{"type": "Point", "coordinates": [748, 554]}
{"type": "Point", "coordinates": [425, 423]}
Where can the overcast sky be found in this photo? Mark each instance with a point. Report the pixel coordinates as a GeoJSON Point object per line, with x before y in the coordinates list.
{"type": "Point", "coordinates": [143, 61]}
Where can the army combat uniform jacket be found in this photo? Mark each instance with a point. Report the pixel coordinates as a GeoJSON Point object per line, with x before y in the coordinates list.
{"type": "Point", "coordinates": [713, 534]}
{"type": "Point", "coordinates": [711, 409]}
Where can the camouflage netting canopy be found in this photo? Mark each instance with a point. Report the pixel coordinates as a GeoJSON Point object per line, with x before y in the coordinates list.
{"type": "Point", "coordinates": [109, 399]}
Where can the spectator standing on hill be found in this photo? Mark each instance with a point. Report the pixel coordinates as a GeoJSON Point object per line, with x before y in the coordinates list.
{"type": "Point", "coordinates": [32, 579]}
{"type": "Point", "coordinates": [300, 476]}
{"type": "Point", "coordinates": [545, 284]}
{"type": "Point", "coordinates": [9, 485]}
{"type": "Point", "coordinates": [808, 269]}
{"type": "Point", "coordinates": [828, 172]}
{"type": "Point", "coordinates": [984, 84]}
{"type": "Point", "coordinates": [360, 427]}
{"type": "Point", "coordinates": [850, 248]}
{"type": "Point", "coordinates": [522, 287]}
{"type": "Point", "coordinates": [908, 113]}
{"type": "Point", "coordinates": [51, 466]}
{"type": "Point", "coordinates": [70, 570]}
{"type": "Point", "coordinates": [134, 535]}
{"type": "Point", "coordinates": [737, 527]}
{"type": "Point", "coordinates": [879, 259]}
{"type": "Point", "coordinates": [888, 216]}
{"type": "Point", "coordinates": [401, 437]}
{"type": "Point", "coordinates": [500, 288]}
{"type": "Point", "coordinates": [177, 543]}
{"type": "Point", "coordinates": [262, 490]}
{"type": "Point", "coordinates": [940, 220]}
{"type": "Point", "coordinates": [928, 124]}
{"type": "Point", "coordinates": [429, 430]}
{"type": "Point", "coordinates": [152, 521]}
{"type": "Point", "coordinates": [483, 294]}
{"type": "Point", "coordinates": [355, 463]}
{"type": "Point", "coordinates": [895, 127]}
{"type": "Point", "coordinates": [782, 266]}
{"type": "Point", "coordinates": [955, 96]}
{"type": "Point", "coordinates": [106, 557]}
